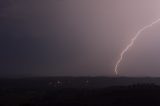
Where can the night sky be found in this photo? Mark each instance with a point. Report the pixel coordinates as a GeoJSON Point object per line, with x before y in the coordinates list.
{"type": "Point", "coordinates": [78, 37]}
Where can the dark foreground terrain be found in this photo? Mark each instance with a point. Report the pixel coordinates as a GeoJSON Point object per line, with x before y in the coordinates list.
{"type": "Point", "coordinates": [80, 91]}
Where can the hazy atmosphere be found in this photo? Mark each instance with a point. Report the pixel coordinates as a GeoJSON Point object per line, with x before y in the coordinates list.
{"type": "Point", "coordinates": [78, 37]}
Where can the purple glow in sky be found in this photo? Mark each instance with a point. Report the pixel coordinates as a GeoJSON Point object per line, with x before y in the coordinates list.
{"type": "Point", "coordinates": [78, 38]}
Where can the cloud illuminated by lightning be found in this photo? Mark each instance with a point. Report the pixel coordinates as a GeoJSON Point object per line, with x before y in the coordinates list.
{"type": "Point", "coordinates": [132, 43]}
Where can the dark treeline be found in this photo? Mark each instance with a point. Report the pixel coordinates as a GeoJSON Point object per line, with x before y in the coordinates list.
{"type": "Point", "coordinates": [52, 92]}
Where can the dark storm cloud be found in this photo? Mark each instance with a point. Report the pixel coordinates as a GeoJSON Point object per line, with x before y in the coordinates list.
{"type": "Point", "coordinates": [69, 37]}
{"type": "Point", "coordinates": [33, 40]}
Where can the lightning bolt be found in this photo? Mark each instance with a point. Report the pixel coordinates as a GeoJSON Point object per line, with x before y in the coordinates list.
{"type": "Point", "coordinates": [132, 43]}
